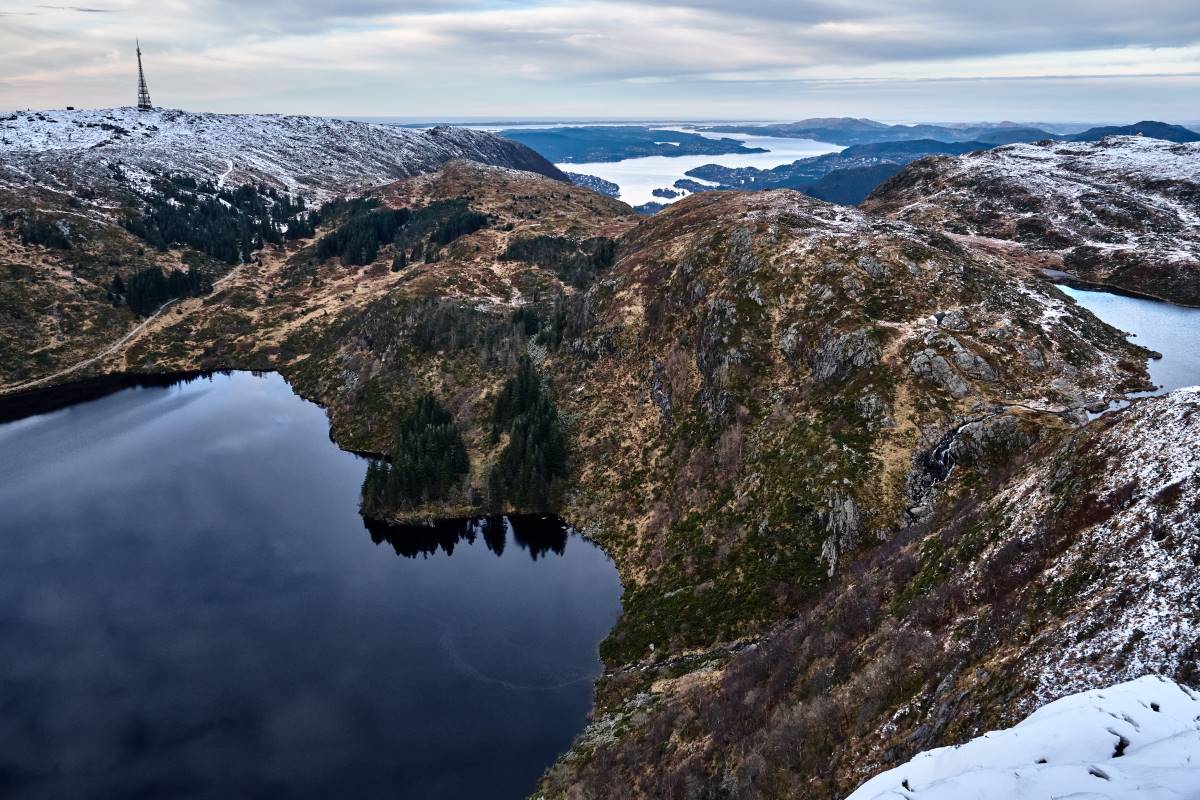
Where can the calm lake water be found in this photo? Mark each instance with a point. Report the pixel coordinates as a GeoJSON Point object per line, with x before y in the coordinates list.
{"type": "Point", "coordinates": [1172, 330]}
{"type": "Point", "coordinates": [191, 606]}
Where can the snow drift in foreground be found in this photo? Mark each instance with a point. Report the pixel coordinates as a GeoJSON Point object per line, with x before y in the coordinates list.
{"type": "Point", "coordinates": [1136, 740]}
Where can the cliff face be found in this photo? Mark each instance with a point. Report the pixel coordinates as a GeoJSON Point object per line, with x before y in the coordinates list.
{"type": "Point", "coordinates": [837, 458]}
{"type": "Point", "coordinates": [1123, 211]}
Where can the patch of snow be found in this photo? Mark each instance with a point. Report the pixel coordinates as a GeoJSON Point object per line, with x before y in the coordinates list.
{"type": "Point", "coordinates": [1138, 740]}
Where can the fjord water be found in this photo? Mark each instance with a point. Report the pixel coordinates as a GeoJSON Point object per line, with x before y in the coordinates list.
{"type": "Point", "coordinates": [191, 606]}
{"type": "Point", "coordinates": [639, 177]}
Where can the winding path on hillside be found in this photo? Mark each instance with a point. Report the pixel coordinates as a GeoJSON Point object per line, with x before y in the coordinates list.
{"type": "Point", "coordinates": [115, 346]}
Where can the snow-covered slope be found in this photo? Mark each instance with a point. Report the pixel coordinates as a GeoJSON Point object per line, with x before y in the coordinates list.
{"type": "Point", "coordinates": [1138, 740]}
{"type": "Point", "coordinates": [1124, 210]}
{"type": "Point", "coordinates": [1128, 582]}
{"type": "Point", "coordinates": [313, 156]}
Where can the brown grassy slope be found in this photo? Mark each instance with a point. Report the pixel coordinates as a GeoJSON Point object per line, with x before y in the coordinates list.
{"type": "Point", "coordinates": [747, 393]}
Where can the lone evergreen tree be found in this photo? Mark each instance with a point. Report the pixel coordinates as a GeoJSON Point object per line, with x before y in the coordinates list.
{"type": "Point", "coordinates": [116, 290]}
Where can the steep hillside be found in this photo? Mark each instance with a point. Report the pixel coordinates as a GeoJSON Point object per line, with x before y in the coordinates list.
{"type": "Point", "coordinates": [1124, 212]}
{"type": "Point", "coordinates": [777, 364]}
{"type": "Point", "coordinates": [309, 156]}
{"type": "Point", "coordinates": [1058, 567]}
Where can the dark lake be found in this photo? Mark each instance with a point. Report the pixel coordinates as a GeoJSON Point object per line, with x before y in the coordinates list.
{"type": "Point", "coordinates": [1172, 330]}
{"type": "Point", "coordinates": [191, 606]}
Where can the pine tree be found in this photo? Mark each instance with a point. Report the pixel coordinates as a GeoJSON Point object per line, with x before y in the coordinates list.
{"type": "Point", "coordinates": [428, 461]}
{"type": "Point", "coordinates": [535, 457]}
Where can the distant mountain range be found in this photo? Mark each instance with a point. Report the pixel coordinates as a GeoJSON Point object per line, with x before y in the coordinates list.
{"type": "Point", "coordinates": [849, 176]}
{"type": "Point", "coordinates": [874, 151]}
{"type": "Point", "coordinates": [851, 131]}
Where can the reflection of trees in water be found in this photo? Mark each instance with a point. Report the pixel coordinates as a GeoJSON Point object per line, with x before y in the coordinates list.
{"type": "Point", "coordinates": [52, 398]}
{"type": "Point", "coordinates": [538, 535]}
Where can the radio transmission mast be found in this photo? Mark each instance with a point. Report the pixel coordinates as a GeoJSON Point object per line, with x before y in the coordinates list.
{"type": "Point", "coordinates": [144, 103]}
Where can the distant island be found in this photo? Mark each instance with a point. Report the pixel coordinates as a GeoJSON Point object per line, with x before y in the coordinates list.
{"type": "Point", "coordinates": [583, 145]}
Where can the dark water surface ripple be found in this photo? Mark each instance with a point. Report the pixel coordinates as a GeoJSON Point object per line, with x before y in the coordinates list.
{"type": "Point", "coordinates": [191, 606]}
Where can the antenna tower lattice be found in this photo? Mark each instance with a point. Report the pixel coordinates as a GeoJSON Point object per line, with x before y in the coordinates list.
{"type": "Point", "coordinates": [144, 103]}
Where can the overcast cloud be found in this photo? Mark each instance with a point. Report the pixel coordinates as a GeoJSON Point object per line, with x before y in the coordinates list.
{"type": "Point", "coordinates": [765, 59]}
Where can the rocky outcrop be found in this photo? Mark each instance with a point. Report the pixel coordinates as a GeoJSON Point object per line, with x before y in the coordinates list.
{"type": "Point", "coordinates": [838, 355]}
{"type": "Point", "coordinates": [931, 365]}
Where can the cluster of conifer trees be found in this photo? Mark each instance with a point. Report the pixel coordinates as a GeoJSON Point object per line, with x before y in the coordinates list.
{"type": "Point", "coordinates": [227, 224]}
{"type": "Point", "coordinates": [149, 288]}
{"type": "Point", "coordinates": [534, 459]}
{"type": "Point", "coordinates": [415, 234]}
{"type": "Point", "coordinates": [429, 460]}
{"type": "Point", "coordinates": [576, 263]}
{"type": "Point", "coordinates": [357, 241]}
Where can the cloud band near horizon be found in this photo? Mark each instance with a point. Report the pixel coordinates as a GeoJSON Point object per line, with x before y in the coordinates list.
{"type": "Point", "coordinates": [763, 59]}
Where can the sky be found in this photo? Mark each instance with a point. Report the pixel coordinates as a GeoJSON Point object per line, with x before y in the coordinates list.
{"type": "Point", "coordinates": [893, 60]}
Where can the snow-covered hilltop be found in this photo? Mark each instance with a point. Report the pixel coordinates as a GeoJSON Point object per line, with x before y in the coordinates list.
{"type": "Point", "coordinates": [1123, 211]}
{"type": "Point", "coordinates": [313, 156]}
{"type": "Point", "coordinates": [1138, 740]}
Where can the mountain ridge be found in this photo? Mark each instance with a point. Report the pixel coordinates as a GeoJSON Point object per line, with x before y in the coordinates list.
{"type": "Point", "coordinates": [1123, 211]}
{"type": "Point", "coordinates": [310, 156]}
